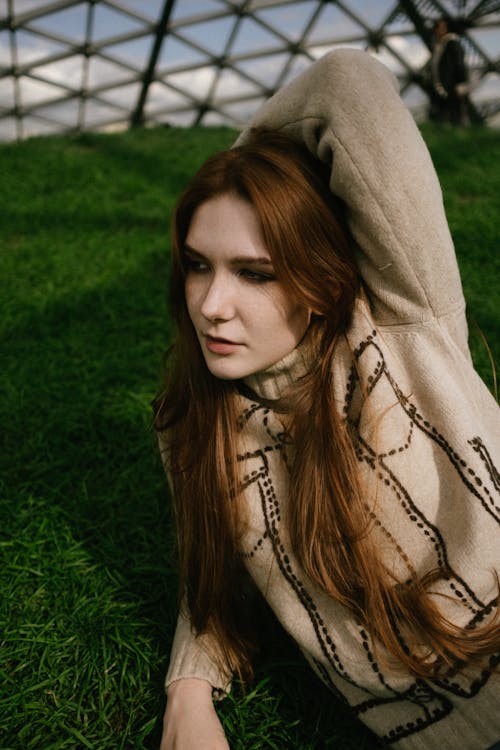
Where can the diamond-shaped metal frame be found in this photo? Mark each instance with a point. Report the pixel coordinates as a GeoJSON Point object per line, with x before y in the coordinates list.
{"type": "Point", "coordinates": [99, 82]}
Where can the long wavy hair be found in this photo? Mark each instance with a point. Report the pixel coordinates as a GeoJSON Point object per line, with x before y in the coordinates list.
{"type": "Point", "coordinates": [327, 518]}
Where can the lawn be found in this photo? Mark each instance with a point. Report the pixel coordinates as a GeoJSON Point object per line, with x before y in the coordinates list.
{"type": "Point", "coordinates": [87, 562]}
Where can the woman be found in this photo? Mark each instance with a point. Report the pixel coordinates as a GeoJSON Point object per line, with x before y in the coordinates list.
{"type": "Point", "coordinates": [323, 425]}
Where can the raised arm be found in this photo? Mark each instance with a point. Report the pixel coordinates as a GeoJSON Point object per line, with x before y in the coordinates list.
{"type": "Point", "coordinates": [347, 110]}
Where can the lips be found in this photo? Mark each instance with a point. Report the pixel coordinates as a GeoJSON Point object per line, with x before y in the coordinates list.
{"type": "Point", "coordinates": [218, 345]}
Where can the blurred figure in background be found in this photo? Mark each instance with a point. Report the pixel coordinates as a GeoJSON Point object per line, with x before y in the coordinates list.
{"type": "Point", "coordinates": [449, 77]}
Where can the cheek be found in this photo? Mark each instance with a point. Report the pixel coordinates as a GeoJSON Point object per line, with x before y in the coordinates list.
{"type": "Point", "coordinates": [282, 325]}
{"type": "Point", "coordinates": [282, 315]}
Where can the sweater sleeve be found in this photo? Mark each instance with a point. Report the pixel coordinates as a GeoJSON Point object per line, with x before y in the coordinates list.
{"type": "Point", "coordinates": [346, 109]}
{"type": "Point", "coordinates": [195, 656]}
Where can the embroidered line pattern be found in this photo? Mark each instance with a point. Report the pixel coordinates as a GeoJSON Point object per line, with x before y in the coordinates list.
{"type": "Point", "coordinates": [425, 702]}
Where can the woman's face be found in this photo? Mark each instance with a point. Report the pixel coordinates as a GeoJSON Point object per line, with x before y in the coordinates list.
{"type": "Point", "coordinates": [244, 320]}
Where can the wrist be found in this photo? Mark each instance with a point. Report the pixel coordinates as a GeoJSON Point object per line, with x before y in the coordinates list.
{"type": "Point", "coordinates": [189, 688]}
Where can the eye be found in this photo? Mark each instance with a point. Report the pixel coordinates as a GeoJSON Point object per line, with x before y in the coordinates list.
{"type": "Point", "coordinates": [256, 277]}
{"type": "Point", "coordinates": [194, 265]}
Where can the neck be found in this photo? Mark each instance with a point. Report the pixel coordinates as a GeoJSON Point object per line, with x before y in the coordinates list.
{"type": "Point", "coordinates": [271, 384]}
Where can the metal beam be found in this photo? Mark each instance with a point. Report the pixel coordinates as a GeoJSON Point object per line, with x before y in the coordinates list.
{"type": "Point", "coordinates": [221, 64]}
{"type": "Point", "coordinates": [19, 20]}
{"type": "Point", "coordinates": [417, 19]}
{"type": "Point", "coordinates": [138, 114]}
{"type": "Point", "coordinates": [21, 70]}
{"type": "Point", "coordinates": [483, 8]}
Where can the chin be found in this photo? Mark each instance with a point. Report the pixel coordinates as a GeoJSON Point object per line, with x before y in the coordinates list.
{"type": "Point", "coordinates": [225, 370]}
{"type": "Point", "coordinates": [226, 373]}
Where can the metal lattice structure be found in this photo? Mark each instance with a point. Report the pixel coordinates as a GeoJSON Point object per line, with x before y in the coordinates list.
{"type": "Point", "coordinates": [70, 65]}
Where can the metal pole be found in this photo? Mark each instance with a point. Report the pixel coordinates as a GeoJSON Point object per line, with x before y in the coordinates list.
{"type": "Point", "coordinates": [138, 113]}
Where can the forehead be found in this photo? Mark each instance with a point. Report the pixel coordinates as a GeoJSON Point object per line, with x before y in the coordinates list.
{"type": "Point", "coordinates": [226, 224]}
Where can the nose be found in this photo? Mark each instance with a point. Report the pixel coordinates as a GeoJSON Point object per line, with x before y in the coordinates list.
{"type": "Point", "coordinates": [218, 301]}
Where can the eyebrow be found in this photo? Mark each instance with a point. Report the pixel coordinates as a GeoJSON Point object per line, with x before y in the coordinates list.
{"type": "Point", "coordinates": [236, 260]}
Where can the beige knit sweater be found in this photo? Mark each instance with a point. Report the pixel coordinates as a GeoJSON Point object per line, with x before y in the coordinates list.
{"type": "Point", "coordinates": [429, 467]}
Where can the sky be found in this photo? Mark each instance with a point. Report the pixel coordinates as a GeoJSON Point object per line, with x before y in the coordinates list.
{"type": "Point", "coordinates": [53, 70]}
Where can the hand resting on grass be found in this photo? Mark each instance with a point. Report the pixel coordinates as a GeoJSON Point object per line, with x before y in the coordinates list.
{"type": "Point", "coordinates": [190, 721]}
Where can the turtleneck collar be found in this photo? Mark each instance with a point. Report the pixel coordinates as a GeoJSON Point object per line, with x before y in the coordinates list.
{"type": "Point", "coordinates": [271, 384]}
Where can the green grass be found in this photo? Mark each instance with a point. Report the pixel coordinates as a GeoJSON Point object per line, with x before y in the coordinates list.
{"type": "Point", "coordinates": [87, 568]}
{"type": "Point", "coordinates": [465, 161]}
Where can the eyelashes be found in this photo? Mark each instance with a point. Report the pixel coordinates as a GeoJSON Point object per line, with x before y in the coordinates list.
{"type": "Point", "coordinates": [191, 265]}
{"type": "Point", "coordinates": [197, 266]}
{"type": "Point", "coordinates": [256, 277]}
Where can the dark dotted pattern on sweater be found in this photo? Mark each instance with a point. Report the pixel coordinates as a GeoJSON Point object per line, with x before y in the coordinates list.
{"type": "Point", "coordinates": [358, 351]}
{"type": "Point", "coordinates": [378, 523]}
{"type": "Point", "coordinates": [258, 544]}
{"type": "Point", "coordinates": [480, 616]}
{"type": "Point", "coordinates": [372, 661]}
{"type": "Point", "coordinates": [247, 414]}
{"type": "Point", "coordinates": [400, 448]}
{"type": "Point", "coordinates": [269, 504]}
{"type": "Point", "coordinates": [432, 705]}
{"type": "Point", "coordinates": [462, 597]}
{"type": "Point", "coordinates": [415, 514]}
{"type": "Point", "coordinates": [377, 374]}
{"type": "Point", "coordinates": [479, 447]}
{"type": "Point", "coordinates": [250, 478]}
{"type": "Point", "coordinates": [423, 697]}
{"type": "Point", "coordinates": [455, 459]}
{"type": "Point", "coordinates": [281, 437]}
{"type": "Point", "coordinates": [351, 385]}
{"type": "Point", "coordinates": [452, 685]}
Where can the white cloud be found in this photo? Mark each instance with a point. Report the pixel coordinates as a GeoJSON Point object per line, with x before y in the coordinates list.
{"type": "Point", "coordinates": [412, 49]}
{"type": "Point", "coordinates": [195, 82]}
